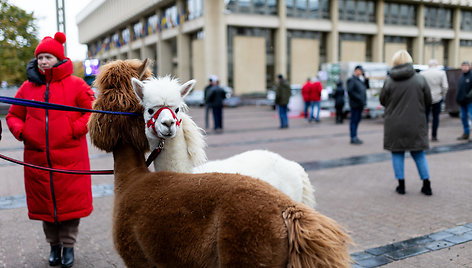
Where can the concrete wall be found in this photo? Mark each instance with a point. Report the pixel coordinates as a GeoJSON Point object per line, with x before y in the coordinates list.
{"type": "Point", "coordinates": [436, 52]}
{"type": "Point", "coordinates": [353, 51]}
{"type": "Point", "coordinates": [249, 64]}
{"type": "Point", "coordinates": [465, 53]}
{"type": "Point", "coordinates": [198, 64]}
{"type": "Point", "coordinates": [304, 59]}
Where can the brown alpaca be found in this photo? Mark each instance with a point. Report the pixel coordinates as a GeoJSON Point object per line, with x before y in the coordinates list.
{"type": "Point", "coordinates": [167, 219]}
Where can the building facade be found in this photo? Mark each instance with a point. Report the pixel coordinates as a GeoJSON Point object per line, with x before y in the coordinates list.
{"type": "Point", "coordinates": [246, 43]}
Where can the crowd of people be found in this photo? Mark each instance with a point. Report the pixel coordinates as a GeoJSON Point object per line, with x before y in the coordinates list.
{"type": "Point", "coordinates": [57, 139]}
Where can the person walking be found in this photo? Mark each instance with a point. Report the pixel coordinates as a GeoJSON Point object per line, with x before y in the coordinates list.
{"type": "Point", "coordinates": [54, 139]}
{"type": "Point", "coordinates": [306, 88]}
{"type": "Point", "coordinates": [437, 82]}
{"type": "Point", "coordinates": [464, 98]}
{"type": "Point", "coordinates": [315, 99]}
{"type": "Point", "coordinates": [216, 97]}
{"type": "Point", "coordinates": [339, 102]}
{"type": "Point", "coordinates": [205, 97]}
{"type": "Point", "coordinates": [282, 97]}
{"type": "Point", "coordinates": [356, 89]}
{"type": "Point", "coordinates": [405, 96]}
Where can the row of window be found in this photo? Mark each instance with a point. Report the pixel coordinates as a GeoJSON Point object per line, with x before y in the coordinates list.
{"type": "Point", "coordinates": [349, 10]}
{"type": "Point", "coordinates": [355, 10]}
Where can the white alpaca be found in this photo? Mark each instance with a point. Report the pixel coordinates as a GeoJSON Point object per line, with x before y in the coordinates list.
{"type": "Point", "coordinates": [285, 175]}
{"type": "Point", "coordinates": [184, 148]}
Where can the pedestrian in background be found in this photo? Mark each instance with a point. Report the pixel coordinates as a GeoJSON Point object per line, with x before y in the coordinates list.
{"type": "Point", "coordinates": [306, 88]}
{"type": "Point", "coordinates": [315, 99]}
{"type": "Point", "coordinates": [356, 89]}
{"type": "Point", "coordinates": [216, 97]}
{"type": "Point", "coordinates": [464, 98]}
{"type": "Point", "coordinates": [338, 96]}
{"type": "Point", "coordinates": [282, 97]}
{"type": "Point", "coordinates": [205, 97]}
{"type": "Point", "coordinates": [54, 139]}
{"type": "Point", "coordinates": [437, 82]}
{"type": "Point", "coordinates": [405, 96]}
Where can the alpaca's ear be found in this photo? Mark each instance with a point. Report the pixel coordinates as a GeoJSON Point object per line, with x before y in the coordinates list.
{"type": "Point", "coordinates": [186, 88]}
{"type": "Point", "coordinates": [142, 69]}
{"type": "Point", "coordinates": [138, 88]}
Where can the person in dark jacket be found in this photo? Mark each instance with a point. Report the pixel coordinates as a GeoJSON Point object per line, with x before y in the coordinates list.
{"type": "Point", "coordinates": [216, 97]}
{"type": "Point", "coordinates": [405, 96]}
{"type": "Point", "coordinates": [338, 96]}
{"type": "Point", "coordinates": [205, 97]}
{"type": "Point", "coordinates": [356, 89]}
{"type": "Point", "coordinates": [282, 97]}
{"type": "Point", "coordinates": [464, 98]}
{"type": "Point", "coordinates": [55, 139]}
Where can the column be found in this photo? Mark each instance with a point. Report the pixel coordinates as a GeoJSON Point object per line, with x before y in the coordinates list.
{"type": "Point", "coordinates": [418, 42]}
{"type": "Point", "coordinates": [164, 53]}
{"type": "Point", "coordinates": [183, 49]}
{"type": "Point", "coordinates": [378, 40]}
{"type": "Point", "coordinates": [454, 44]}
{"type": "Point", "coordinates": [131, 35]}
{"type": "Point", "coordinates": [333, 36]}
{"type": "Point", "coordinates": [215, 45]}
{"type": "Point", "coordinates": [281, 41]}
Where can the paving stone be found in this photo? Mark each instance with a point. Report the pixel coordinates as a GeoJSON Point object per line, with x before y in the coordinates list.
{"type": "Point", "coordinates": [373, 262]}
{"type": "Point", "coordinates": [439, 245]}
{"type": "Point", "coordinates": [440, 235]}
{"type": "Point", "coordinates": [460, 238]}
{"type": "Point", "coordinates": [459, 230]}
{"type": "Point", "coordinates": [361, 255]}
{"type": "Point", "coordinates": [407, 252]}
{"type": "Point", "coordinates": [384, 249]}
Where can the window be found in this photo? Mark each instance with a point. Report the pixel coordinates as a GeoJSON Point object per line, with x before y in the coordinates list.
{"type": "Point", "coordinates": [399, 14]}
{"type": "Point", "coordinates": [194, 9]}
{"type": "Point", "coordinates": [437, 17]}
{"type": "Point", "coordinates": [357, 10]}
{"type": "Point", "coordinates": [466, 20]}
{"type": "Point", "coordinates": [308, 8]}
{"type": "Point", "coordinates": [264, 7]}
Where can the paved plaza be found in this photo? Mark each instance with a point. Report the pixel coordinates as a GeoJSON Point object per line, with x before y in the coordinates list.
{"type": "Point", "coordinates": [354, 185]}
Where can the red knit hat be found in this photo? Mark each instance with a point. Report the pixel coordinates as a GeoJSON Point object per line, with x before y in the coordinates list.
{"type": "Point", "coordinates": [52, 46]}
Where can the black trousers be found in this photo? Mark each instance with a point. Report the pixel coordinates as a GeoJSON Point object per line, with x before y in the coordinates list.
{"type": "Point", "coordinates": [435, 109]}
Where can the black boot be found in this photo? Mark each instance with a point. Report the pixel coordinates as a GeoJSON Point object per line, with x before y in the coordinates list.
{"type": "Point", "coordinates": [426, 189]}
{"type": "Point", "coordinates": [55, 255]}
{"type": "Point", "coordinates": [67, 257]}
{"type": "Point", "coordinates": [401, 187]}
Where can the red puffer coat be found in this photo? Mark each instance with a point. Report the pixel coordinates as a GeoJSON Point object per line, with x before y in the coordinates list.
{"type": "Point", "coordinates": [54, 139]}
{"type": "Point", "coordinates": [311, 91]}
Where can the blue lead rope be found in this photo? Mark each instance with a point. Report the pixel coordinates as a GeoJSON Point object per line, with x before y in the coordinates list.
{"type": "Point", "coordinates": [53, 106]}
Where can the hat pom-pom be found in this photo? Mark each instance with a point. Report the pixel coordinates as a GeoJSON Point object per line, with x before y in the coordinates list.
{"type": "Point", "coordinates": [60, 37]}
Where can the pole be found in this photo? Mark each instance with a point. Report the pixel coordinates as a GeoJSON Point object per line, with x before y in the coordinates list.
{"type": "Point", "coordinates": [61, 20]}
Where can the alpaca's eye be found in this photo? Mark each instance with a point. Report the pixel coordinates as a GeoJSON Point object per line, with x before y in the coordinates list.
{"type": "Point", "coordinates": [177, 110]}
{"type": "Point", "coordinates": [150, 111]}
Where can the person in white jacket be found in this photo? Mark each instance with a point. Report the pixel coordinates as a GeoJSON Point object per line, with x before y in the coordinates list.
{"type": "Point", "coordinates": [437, 82]}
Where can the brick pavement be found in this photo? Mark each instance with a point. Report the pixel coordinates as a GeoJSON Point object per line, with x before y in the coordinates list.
{"type": "Point", "coordinates": [360, 195]}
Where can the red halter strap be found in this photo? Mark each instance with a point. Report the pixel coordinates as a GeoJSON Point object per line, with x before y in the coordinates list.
{"type": "Point", "coordinates": [152, 122]}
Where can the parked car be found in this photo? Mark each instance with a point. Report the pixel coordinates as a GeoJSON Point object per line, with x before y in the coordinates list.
{"type": "Point", "coordinates": [196, 98]}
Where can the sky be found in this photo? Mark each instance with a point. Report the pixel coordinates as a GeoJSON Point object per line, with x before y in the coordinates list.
{"type": "Point", "coordinates": [45, 14]}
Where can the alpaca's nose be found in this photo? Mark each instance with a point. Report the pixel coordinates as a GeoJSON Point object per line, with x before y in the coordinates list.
{"type": "Point", "coordinates": [168, 123]}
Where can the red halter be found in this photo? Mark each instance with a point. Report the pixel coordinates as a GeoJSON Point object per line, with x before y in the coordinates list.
{"type": "Point", "coordinates": [152, 122]}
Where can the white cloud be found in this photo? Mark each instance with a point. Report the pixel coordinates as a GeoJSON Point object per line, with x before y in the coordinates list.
{"type": "Point", "coordinates": [45, 13]}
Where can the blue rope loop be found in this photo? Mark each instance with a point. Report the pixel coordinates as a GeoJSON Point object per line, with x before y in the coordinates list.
{"type": "Point", "coordinates": [59, 107]}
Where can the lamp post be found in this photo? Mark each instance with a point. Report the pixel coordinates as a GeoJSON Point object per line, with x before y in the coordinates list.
{"type": "Point", "coordinates": [61, 20]}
